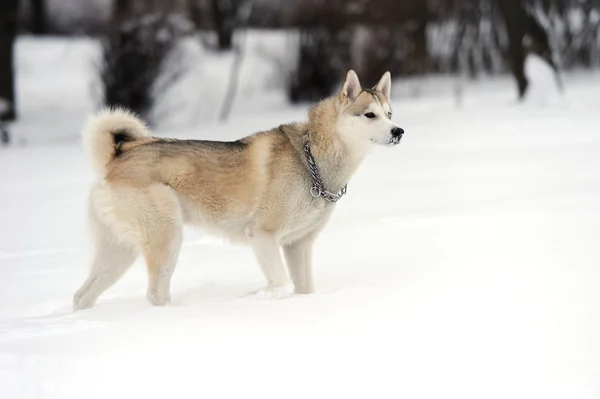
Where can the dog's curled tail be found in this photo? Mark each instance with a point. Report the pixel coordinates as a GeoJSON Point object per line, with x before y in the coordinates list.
{"type": "Point", "coordinates": [106, 131]}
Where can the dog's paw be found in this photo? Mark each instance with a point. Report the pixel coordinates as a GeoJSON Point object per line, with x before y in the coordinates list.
{"type": "Point", "coordinates": [304, 289]}
{"type": "Point", "coordinates": [274, 292]}
{"type": "Point", "coordinates": [158, 299]}
{"type": "Point", "coordinates": [82, 302]}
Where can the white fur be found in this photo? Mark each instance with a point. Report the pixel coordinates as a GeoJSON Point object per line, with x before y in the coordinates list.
{"type": "Point", "coordinates": [385, 86]}
{"type": "Point", "coordinates": [115, 215]}
{"type": "Point", "coordinates": [98, 134]}
{"type": "Point", "coordinates": [351, 88]}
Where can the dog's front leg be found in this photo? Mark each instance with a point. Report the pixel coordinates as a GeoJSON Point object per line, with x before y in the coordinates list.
{"type": "Point", "coordinates": [298, 256]}
{"type": "Point", "coordinates": [267, 254]}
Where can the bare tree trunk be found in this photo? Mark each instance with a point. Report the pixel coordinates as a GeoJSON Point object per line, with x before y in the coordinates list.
{"type": "Point", "coordinates": [122, 8]}
{"type": "Point", "coordinates": [234, 78]}
{"type": "Point", "coordinates": [195, 11]}
{"type": "Point", "coordinates": [224, 20]}
{"type": "Point", "coordinates": [540, 31]}
{"type": "Point", "coordinates": [518, 24]}
{"type": "Point", "coordinates": [8, 33]}
{"type": "Point", "coordinates": [419, 39]}
{"type": "Point", "coordinates": [39, 22]}
{"type": "Point", "coordinates": [515, 19]}
{"type": "Point", "coordinates": [236, 68]}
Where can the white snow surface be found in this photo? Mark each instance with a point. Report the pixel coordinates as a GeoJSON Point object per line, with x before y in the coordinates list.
{"type": "Point", "coordinates": [544, 88]}
{"type": "Point", "coordinates": [463, 263]}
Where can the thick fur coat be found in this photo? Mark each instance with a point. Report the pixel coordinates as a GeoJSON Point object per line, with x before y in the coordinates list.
{"type": "Point", "coordinates": [255, 190]}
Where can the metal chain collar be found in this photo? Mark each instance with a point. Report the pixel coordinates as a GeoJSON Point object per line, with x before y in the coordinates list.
{"type": "Point", "coordinates": [318, 188]}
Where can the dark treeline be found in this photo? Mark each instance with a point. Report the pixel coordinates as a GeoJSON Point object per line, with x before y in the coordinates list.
{"type": "Point", "coordinates": [408, 37]}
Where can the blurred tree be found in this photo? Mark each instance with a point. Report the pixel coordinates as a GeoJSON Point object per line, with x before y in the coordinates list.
{"type": "Point", "coordinates": [323, 56]}
{"type": "Point", "coordinates": [196, 13]}
{"type": "Point", "coordinates": [8, 32]}
{"type": "Point", "coordinates": [417, 32]}
{"type": "Point", "coordinates": [39, 21]}
{"type": "Point", "coordinates": [122, 8]}
{"type": "Point", "coordinates": [324, 50]}
{"type": "Point", "coordinates": [579, 23]}
{"type": "Point", "coordinates": [236, 68]}
{"type": "Point", "coordinates": [475, 47]}
{"type": "Point", "coordinates": [227, 16]}
{"type": "Point", "coordinates": [519, 23]}
{"type": "Point", "coordinates": [135, 49]}
{"type": "Point", "coordinates": [370, 36]}
{"type": "Point", "coordinates": [224, 19]}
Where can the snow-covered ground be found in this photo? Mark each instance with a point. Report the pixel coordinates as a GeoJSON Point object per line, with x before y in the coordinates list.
{"type": "Point", "coordinates": [464, 263]}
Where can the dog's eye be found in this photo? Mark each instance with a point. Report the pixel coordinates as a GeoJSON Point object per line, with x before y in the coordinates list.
{"type": "Point", "coordinates": [389, 115]}
{"type": "Point", "coordinates": [370, 115]}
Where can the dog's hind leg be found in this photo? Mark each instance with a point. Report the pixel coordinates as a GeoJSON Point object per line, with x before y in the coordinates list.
{"type": "Point", "coordinates": [112, 259]}
{"type": "Point", "coordinates": [161, 227]}
{"type": "Point", "coordinates": [133, 219]}
{"type": "Point", "coordinates": [161, 253]}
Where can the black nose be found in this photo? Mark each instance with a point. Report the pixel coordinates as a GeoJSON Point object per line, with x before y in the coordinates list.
{"type": "Point", "coordinates": [397, 131]}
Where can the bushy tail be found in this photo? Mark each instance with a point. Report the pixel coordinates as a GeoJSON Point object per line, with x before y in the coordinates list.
{"type": "Point", "coordinates": [106, 131]}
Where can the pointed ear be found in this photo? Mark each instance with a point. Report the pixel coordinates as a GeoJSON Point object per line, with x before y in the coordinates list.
{"type": "Point", "coordinates": [351, 88]}
{"type": "Point", "coordinates": [385, 85]}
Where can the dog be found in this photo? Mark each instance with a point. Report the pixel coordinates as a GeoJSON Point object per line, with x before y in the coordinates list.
{"type": "Point", "coordinates": [271, 190]}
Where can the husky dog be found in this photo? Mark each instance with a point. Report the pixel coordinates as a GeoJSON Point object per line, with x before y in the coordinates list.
{"type": "Point", "coordinates": [274, 189]}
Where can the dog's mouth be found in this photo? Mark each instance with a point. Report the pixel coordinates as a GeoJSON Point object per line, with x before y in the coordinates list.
{"type": "Point", "coordinates": [395, 140]}
{"type": "Point", "coordinates": [392, 141]}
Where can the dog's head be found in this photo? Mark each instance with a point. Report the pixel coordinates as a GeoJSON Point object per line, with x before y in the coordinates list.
{"type": "Point", "coordinates": [365, 115]}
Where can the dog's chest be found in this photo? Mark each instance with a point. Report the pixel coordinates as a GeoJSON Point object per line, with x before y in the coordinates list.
{"type": "Point", "coordinates": [307, 217]}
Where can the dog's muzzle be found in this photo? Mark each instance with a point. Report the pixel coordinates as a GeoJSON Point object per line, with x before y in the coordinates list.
{"type": "Point", "coordinates": [397, 133]}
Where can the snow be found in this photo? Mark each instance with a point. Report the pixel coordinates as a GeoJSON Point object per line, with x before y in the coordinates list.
{"type": "Point", "coordinates": [462, 263]}
{"type": "Point", "coordinates": [197, 96]}
{"type": "Point", "coordinates": [56, 88]}
{"type": "Point", "coordinates": [543, 82]}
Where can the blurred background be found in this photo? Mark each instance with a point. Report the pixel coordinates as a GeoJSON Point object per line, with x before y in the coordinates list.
{"type": "Point", "coordinates": [182, 62]}
{"type": "Point", "coordinates": [468, 255]}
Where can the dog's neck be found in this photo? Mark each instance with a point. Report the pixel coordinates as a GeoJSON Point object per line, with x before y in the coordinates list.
{"type": "Point", "coordinates": [336, 160]}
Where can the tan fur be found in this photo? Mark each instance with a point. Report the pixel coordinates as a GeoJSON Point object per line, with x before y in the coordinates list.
{"type": "Point", "coordinates": [254, 190]}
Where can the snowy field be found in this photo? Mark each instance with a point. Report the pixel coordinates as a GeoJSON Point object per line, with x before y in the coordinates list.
{"type": "Point", "coordinates": [464, 263]}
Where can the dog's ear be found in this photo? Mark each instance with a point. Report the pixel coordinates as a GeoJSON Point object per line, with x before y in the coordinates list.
{"type": "Point", "coordinates": [351, 88]}
{"type": "Point", "coordinates": [385, 85]}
